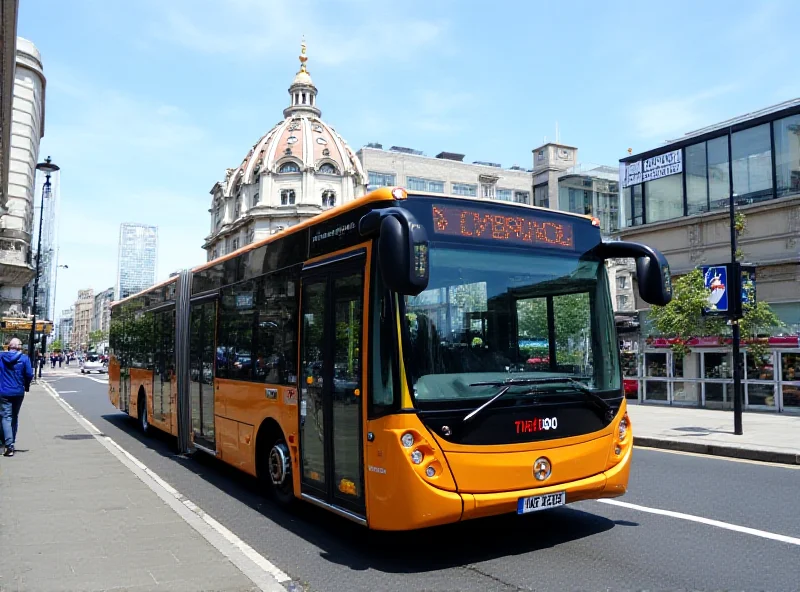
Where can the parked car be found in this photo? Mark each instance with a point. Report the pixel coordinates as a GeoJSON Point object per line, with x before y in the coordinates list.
{"type": "Point", "coordinates": [93, 363]}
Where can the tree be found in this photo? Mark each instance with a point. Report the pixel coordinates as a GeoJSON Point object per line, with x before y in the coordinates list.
{"type": "Point", "coordinates": [97, 337]}
{"type": "Point", "coordinates": [572, 322]}
{"type": "Point", "coordinates": [682, 319]}
{"type": "Point", "coordinates": [57, 345]}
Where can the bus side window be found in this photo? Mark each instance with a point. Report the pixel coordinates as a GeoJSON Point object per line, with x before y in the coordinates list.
{"type": "Point", "coordinates": [383, 398]}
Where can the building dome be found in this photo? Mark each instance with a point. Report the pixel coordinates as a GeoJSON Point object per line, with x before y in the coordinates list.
{"type": "Point", "coordinates": [296, 170]}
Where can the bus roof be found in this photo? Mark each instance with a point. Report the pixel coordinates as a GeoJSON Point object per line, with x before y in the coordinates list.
{"type": "Point", "coordinates": [378, 195]}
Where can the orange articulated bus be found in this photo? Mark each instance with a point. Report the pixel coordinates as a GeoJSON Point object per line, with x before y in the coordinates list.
{"type": "Point", "coordinates": [402, 360]}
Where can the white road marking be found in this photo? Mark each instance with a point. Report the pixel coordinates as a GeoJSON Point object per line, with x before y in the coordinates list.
{"type": "Point", "coordinates": [727, 458]}
{"type": "Point", "coordinates": [262, 572]}
{"type": "Point", "coordinates": [66, 392]}
{"type": "Point", "coordinates": [708, 521]}
{"type": "Point", "coordinates": [100, 380]}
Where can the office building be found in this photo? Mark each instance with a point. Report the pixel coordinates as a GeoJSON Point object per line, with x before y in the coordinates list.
{"type": "Point", "coordinates": [446, 173]}
{"type": "Point", "coordinates": [136, 259]}
{"type": "Point", "coordinates": [82, 320]}
{"type": "Point", "coordinates": [299, 168]}
{"type": "Point", "coordinates": [22, 153]}
{"type": "Point", "coordinates": [65, 326]}
{"type": "Point", "coordinates": [675, 197]}
{"type": "Point", "coordinates": [101, 314]}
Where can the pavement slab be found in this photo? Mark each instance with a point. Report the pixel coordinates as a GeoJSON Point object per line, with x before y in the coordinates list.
{"type": "Point", "coordinates": [768, 437]}
{"type": "Point", "coordinates": [72, 517]}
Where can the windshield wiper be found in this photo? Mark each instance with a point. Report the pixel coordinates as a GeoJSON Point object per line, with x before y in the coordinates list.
{"type": "Point", "coordinates": [511, 382]}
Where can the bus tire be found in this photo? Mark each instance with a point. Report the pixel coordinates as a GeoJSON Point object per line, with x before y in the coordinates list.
{"type": "Point", "coordinates": [141, 406]}
{"type": "Point", "coordinates": [275, 464]}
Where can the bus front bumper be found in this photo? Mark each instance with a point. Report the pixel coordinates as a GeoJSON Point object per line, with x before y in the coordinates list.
{"type": "Point", "coordinates": [610, 483]}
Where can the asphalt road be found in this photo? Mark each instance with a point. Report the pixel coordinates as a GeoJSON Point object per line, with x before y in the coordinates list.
{"type": "Point", "coordinates": [587, 546]}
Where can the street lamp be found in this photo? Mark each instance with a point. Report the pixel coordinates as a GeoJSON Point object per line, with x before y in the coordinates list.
{"type": "Point", "coordinates": [48, 168]}
{"type": "Point", "coordinates": [55, 287]}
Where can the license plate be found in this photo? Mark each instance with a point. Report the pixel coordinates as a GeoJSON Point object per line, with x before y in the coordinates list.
{"type": "Point", "coordinates": [541, 502]}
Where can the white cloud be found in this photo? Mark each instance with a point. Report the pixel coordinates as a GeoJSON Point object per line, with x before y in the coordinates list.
{"type": "Point", "coordinates": [253, 30]}
{"type": "Point", "coordinates": [666, 118]}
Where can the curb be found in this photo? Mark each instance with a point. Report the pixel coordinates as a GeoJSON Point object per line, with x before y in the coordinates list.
{"type": "Point", "coordinates": [771, 456]}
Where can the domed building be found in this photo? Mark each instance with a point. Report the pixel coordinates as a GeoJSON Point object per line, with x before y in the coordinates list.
{"type": "Point", "coordinates": [298, 169]}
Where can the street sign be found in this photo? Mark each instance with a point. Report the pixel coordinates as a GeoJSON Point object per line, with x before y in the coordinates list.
{"type": "Point", "coordinates": [748, 275]}
{"type": "Point", "coordinates": [715, 279]}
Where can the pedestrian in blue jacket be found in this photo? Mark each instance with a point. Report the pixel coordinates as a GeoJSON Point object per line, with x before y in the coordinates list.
{"type": "Point", "coordinates": [15, 380]}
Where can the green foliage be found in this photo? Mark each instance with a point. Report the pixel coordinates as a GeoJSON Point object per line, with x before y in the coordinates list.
{"type": "Point", "coordinates": [97, 337]}
{"type": "Point", "coordinates": [57, 345]}
{"type": "Point", "coordinates": [683, 317]}
{"type": "Point", "coordinates": [571, 312]}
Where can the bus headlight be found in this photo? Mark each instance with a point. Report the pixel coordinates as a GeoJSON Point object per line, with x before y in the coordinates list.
{"type": "Point", "coordinates": [407, 440]}
{"type": "Point", "coordinates": [623, 428]}
{"type": "Point", "coordinates": [417, 456]}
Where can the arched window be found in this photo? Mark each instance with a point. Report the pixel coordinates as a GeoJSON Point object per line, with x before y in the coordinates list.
{"type": "Point", "coordinates": [287, 197]}
{"type": "Point", "coordinates": [289, 167]}
{"type": "Point", "coordinates": [327, 169]}
{"type": "Point", "coordinates": [328, 198]}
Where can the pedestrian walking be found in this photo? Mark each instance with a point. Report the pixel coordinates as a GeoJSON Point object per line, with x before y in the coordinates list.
{"type": "Point", "coordinates": [60, 359]}
{"type": "Point", "coordinates": [41, 361]}
{"type": "Point", "coordinates": [15, 380]}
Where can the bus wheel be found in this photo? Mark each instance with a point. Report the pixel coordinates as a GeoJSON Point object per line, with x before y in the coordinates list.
{"type": "Point", "coordinates": [279, 473]}
{"type": "Point", "coordinates": [144, 424]}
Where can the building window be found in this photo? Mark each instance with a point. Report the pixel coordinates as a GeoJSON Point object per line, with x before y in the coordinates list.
{"type": "Point", "coordinates": [381, 179]}
{"type": "Point", "coordinates": [251, 235]}
{"type": "Point", "coordinates": [327, 169]}
{"type": "Point", "coordinates": [696, 169]}
{"type": "Point", "coordinates": [787, 155]}
{"type": "Point", "coordinates": [287, 197]}
{"type": "Point", "coordinates": [541, 197]}
{"type": "Point", "coordinates": [718, 179]}
{"type": "Point", "coordinates": [752, 164]}
{"type": "Point", "coordinates": [289, 167]}
{"type": "Point", "coordinates": [329, 198]}
{"type": "Point", "coordinates": [638, 205]}
{"type": "Point", "coordinates": [487, 191]}
{"type": "Point", "coordinates": [504, 194]}
{"type": "Point", "coordinates": [255, 199]}
{"type": "Point", "coordinates": [622, 282]}
{"type": "Point", "coordinates": [237, 209]}
{"type": "Point", "coordinates": [215, 253]}
{"type": "Point", "coordinates": [417, 184]}
{"type": "Point", "coordinates": [622, 302]}
{"type": "Point", "coordinates": [227, 245]}
{"type": "Point", "coordinates": [465, 189]}
{"type": "Point", "coordinates": [523, 197]}
{"type": "Point", "coordinates": [664, 198]}
{"type": "Point", "coordinates": [235, 244]}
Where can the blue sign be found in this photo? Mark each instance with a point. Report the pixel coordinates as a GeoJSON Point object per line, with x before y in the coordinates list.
{"type": "Point", "coordinates": [716, 280]}
{"type": "Point", "coordinates": [748, 286]}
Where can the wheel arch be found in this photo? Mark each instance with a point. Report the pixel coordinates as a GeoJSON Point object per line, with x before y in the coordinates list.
{"type": "Point", "coordinates": [269, 431]}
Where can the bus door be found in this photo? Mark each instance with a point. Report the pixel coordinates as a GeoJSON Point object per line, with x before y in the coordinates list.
{"type": "Point", "coordinates": [330, 384]}
{"type": "Point", "coordinates": [201, 372]}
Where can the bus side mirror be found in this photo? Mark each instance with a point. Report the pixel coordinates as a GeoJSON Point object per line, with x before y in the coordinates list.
{"type": "Point", "coordinates": [652, 269]}
{"type": "Point", "coordinates": [402, 249]}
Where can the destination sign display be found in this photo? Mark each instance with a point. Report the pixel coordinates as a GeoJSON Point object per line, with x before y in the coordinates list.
{"type": "Point", "coordinates": [522, 229]}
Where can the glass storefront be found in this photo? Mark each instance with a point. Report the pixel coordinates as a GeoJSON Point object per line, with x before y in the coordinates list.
{"type": "Point", "coordinates": [758, 163]}
{"type": "Point", "coordinates": [704, 378]}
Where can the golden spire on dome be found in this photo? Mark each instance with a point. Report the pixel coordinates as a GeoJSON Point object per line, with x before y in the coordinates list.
{"type": "Point", "coordinates": [303, 57]}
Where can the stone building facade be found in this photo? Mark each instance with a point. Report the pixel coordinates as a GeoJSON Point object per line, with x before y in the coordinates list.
{"type": "Point", "coordinates": [446, 174]}
{"type": "Point", "coordinates": [17, 217]}
{"type": "Point", "coordinates": [298, 169]}
{"type": "Point", "coordinates": [82, 320]}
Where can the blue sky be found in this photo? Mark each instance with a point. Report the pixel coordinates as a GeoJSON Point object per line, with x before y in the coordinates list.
{"type": "Point", "coordinates": [148, 102]}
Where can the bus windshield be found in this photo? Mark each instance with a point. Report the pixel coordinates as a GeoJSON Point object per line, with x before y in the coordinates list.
{"type": "Point", "coordinates": [494, 314]}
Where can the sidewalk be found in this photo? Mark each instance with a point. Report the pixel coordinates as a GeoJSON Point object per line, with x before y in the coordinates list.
{"type": "Point", "coordinates": [769, 437]}
{"type": "Point", "coordinates": [73, 517]}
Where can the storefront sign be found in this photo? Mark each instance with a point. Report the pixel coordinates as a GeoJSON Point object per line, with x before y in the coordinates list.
{"type": "Point", "coordinates": [748, 286]}
{"type": "Point", "coordinates": [650, 169]}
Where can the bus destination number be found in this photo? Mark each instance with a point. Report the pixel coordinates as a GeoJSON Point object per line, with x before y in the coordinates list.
{"type": "Point", "coordinates": [519, 229]}
{"type": "Point", "coordinates": [541, 502]}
